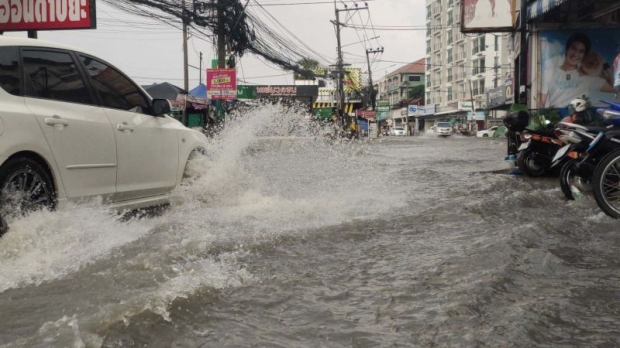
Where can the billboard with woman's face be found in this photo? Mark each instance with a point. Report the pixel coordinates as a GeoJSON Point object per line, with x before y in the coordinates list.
{"type": "Point", "coordinates": [487, 16]}
{"type": "Point", "coordinates": [575, 63]}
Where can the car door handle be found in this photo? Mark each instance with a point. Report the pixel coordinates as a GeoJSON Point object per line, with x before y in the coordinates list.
{"type": "Point", "coordinates": [124, 127]}
{"type": "Point", "coordinates": [55, 120]}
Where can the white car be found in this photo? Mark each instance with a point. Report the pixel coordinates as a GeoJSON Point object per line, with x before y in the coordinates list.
{"type": "Point", "coordinates": [397, 131]}
{"type": "Point", "coordinates": [444, 129]}
{"type": "Point", "coordinates": [487, 132]}
{"type": "Point", "coordinates": [73, 126]}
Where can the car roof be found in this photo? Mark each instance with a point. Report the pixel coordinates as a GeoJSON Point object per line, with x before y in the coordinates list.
{"type": "Point", "coordinates": [21, 41]}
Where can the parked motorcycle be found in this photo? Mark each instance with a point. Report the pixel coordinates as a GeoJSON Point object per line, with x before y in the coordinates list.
{"type": "Point", "coordinates": [606, 176]}
{"type": "Point", "coordinates": [536, 153]}
{"type": "Point", "coordinates": [586, 147]}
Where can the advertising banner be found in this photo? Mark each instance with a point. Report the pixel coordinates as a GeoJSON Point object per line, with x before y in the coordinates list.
{"type": "Point", "coordinates": [501, 95]}
{"type": "Point", "coordinates": [352, 77]}
{"type": "Point", "coordinates": [575, 63]}
{"type": "Point", "coordinates": [222, 84]}
{"type": "Point", "coordinates": [21, 15]}
{"type": "Point", "coordinates": [487, 16]}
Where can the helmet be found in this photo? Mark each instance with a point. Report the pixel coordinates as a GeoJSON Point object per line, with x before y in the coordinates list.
{"type": "Point", "coordinates": [577, 105]}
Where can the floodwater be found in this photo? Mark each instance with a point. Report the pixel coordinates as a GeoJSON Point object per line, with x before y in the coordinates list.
{"type": "Point", "coordinates": [286, 239]}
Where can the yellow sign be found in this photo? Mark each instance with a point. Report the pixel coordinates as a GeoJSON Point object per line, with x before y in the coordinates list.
{"type": "Point", "coordinates": [218, 80]}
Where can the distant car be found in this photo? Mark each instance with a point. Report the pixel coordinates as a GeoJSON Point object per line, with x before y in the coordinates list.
{"type": "Point", "coordinates": [397, 131]}
{"type": "Point", "coordinates": [73, 126]}
{"type": "Point", "coordinates": [444, 129]}
{"type": "Point", "coordinates": [432, 130]}
{"type": "Point", "coordinates": [487, 132]}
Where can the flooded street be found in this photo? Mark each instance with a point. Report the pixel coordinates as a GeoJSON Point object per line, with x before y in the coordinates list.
{"type": "Point", "coordinates": [305, 242]}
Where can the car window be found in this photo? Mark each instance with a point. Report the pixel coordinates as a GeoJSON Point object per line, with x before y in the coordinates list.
{"type": "Point", "coordinates": [9, 70]}
{"type": "Point", "coordinates": [116, 90]}
{"type": "Point", "coordinates": [54, 75]}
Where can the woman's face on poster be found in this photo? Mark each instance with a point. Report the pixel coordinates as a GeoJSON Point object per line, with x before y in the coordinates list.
{"type": "Point", "coordinates": [575, 53]}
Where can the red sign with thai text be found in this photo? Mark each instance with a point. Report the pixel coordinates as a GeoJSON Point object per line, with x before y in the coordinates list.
{"type": "Point", "coordinates": [19, 15]}
{"type": "Point", "coordinates": [367, 114]}
{"type": "Point", "coordinates": [222, 84]}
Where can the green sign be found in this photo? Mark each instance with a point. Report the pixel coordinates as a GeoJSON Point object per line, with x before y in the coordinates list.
{"type": "Point", "coordinates": [383, 110]}
{"type": "Point", "coordinates": [246, 92]}
{"type": "Point", "coordinates": [323, 113]}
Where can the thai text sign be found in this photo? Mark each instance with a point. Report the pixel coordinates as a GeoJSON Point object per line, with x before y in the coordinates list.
{"type": "Point", "coordinates": [367, 114]}
{"type": "Point", "coordinates": [47, 14]}
{"type": "Point", "coordinates": [222, 84]}
{"type": "Point", "coordinates": [287, 91]}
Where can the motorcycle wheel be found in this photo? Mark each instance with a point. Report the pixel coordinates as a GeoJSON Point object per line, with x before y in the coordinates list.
{"type": "Point", "coordinates": [606, 184]}
{"type": "Point", "coordinates": [572, 184]}
{"type": "Point", "coordinates": [531, 163]}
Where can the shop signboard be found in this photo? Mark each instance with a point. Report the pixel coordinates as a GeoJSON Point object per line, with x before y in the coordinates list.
{"type": "Point", "coordinates": [21, 15]}
{"type": "Point", "coordinates": [323, 113]}
{"type": "Point", "coordinates": [367, 114]}
{"type": "Point", "coordinates": [287, 91]}
{"type": "Point", "coordinates": [222, 84]}
{"type": "Point", "coordinates": [574, 63]}
{"type": "Point", "coordinates": [500, 95]}
{"type": "Point", "coordinates": [246, 92]}
{"type": "Point", "coordinates": [383, 109]}
{"type": "Point", "coordinates": [420, 110]}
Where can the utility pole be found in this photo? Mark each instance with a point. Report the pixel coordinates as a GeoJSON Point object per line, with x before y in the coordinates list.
{"type": "Point", "coordinates": [372, 96]}
{"type": "Point", "coordinates": [185, 61]}
{"type": "Point", "coordinates": [200, 69]}
{"type": "Point", "coordinates": [221, 39]}
{"type": "Point", "coordinates": [340, 63]}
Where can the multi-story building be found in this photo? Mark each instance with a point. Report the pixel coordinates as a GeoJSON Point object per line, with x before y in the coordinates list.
{"type": "Point", "coordinates": [460, 68]}
{"type": "Point", "coordinates": [398, 85]}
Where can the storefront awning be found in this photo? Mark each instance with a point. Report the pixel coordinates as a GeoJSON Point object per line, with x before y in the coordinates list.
{"type": "Point", "coordinates": [348, 107]}
{"type": "Point", "coordinates": [539, 7]}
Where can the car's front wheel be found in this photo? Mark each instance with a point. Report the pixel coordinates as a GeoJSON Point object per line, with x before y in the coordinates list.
{"type": "Point", "coordinates": [25, 186]}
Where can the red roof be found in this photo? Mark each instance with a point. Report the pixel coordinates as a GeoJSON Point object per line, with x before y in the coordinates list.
{"type": "Point", "coordinates": [417, 67]}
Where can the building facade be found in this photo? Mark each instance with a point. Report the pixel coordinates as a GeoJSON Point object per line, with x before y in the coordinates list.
{"type": "Point", "coordinates": [462, 67]}
{"type": "Point", "coordinates": [399, 84]}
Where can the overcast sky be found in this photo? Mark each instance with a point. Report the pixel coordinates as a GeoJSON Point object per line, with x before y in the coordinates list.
{"type": "Point", "coordinates": [149, 51]}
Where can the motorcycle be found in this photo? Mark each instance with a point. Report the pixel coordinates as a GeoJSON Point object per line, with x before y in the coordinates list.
{"type": "Point", "coordinates": [536, 152]}
{"type": "Point", "coordinates": [586, 147]}
{"type": "Point", "coordinates": [606, 175]}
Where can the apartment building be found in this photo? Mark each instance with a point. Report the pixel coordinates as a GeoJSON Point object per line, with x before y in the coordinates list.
{"type": "Point", "coordinates": [460, 68]}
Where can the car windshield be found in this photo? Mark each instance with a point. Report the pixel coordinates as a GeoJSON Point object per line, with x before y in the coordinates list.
{"type": "Point", "coordinates": [443, 124]}
{"type": "Point", "coordinates": [398, 128]}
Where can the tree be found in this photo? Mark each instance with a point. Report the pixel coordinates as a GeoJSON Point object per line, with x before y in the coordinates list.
{"type": "Point", "coordinates": [307, 64]}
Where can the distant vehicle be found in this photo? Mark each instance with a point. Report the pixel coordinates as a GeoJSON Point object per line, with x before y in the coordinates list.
{"type": "Point", "coordinates": [432, 130]}
{"type": "Point", "coordinates": [444, 129]}
{"type": "Point", "coordinates": [73, 126]}
{"type": "Point", "coordinates": [487, 132]}
{"type": "Point", "coordinates": [397, 131]}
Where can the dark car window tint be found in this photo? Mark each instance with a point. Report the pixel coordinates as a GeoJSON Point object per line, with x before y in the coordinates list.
{"type": "Point", "coordinates": [116, 91]}
{"type": "Point", "coordinates": [54, 75]}
{"type": "Point", "coordinates": [9, 70]}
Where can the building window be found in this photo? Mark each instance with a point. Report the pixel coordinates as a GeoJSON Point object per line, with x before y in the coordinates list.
{"type": "Point", "coordinates": [414, 78]}
{"type": "Point", "coordinates": [449, 74]}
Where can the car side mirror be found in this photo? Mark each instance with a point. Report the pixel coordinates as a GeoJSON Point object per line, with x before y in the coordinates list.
{"type": "Point", "coordinates": [161, 107]}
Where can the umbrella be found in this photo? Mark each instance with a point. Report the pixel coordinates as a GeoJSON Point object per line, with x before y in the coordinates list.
{"type": "Point", "coordinates": [164, 90]}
